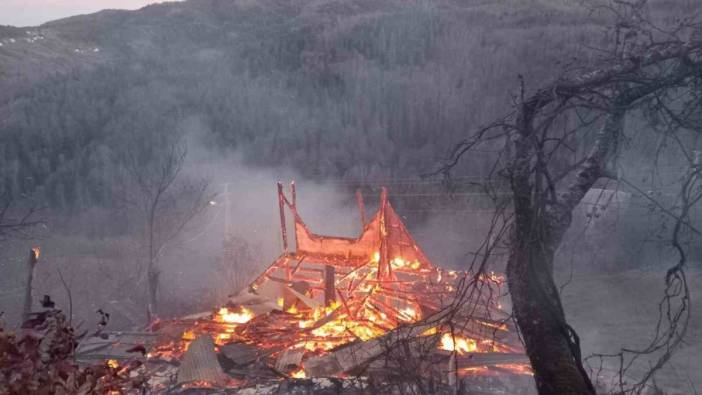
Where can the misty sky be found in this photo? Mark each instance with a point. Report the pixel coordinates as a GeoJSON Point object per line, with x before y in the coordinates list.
{"type": "Point", "coordinates": [36, 12]}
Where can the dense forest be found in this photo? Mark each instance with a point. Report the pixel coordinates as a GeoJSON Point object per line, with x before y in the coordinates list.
{"type": "Point", "coordinates": [336, 90]}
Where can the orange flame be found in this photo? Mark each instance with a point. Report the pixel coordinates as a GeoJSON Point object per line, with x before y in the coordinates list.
{"type": "Point", "coordinates": [459, 344]}
{"type": "Point", "coordinates": [232, 317]}
{"type": "Point", "coordinates": [349, 319]}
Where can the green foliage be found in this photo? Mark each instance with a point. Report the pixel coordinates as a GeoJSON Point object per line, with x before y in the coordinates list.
{"type": "Point", "coordinates": [39, 360]}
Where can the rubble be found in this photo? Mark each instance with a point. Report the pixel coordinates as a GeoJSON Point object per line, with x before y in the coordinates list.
{"type": "Point", "coordinates": [338, 315]}
{"type": "Point", "coordinates": [200, 364]}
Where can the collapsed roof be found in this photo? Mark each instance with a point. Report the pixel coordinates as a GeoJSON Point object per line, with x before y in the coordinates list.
{"type": "Point", "coordinates": [382, 269]}
{"type": "Point", "coordinates": [335, 306]}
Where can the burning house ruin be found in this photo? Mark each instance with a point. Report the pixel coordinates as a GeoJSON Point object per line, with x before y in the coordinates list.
{"type": "Point", "coordinates": [369, 307]}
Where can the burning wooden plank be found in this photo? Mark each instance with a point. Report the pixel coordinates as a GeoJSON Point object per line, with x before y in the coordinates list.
{"type": "Point", "coordinates": [490, 358]}
{"type": "Point", "coordinates": [357, 354]}
{"type": "Point", "coordinates": [296, 292]}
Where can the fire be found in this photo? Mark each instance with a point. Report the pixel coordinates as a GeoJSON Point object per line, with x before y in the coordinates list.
{"type": "Point", "coordinates": [519, 369]}
{"type": "Point", "coordinates": [112, 363]}
{"type": "Point", "coordinates": [399, 262]}
{"type": "Point", "coordinates": [231, 317]}
{"type": "Point", "coordinates": [459, 344]}
{"type": "Point", "coordinates": [358, 301]}
{"type": "Point", "coordinates": [339, 330]}
{"type": "Point", "coordinates": [429, 332]}
{"type": "Point", "coordinates": [223, 338]}
{"type": "Point", "coordinates": [317, 314]}
{"type": "Point", "coordinates": [409, 314]}
{"type": "Point", "coordinates": [475, 370]}
{"type": "Point", "coordinates": [198, 384]}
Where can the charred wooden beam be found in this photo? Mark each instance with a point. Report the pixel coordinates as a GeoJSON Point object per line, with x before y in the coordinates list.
{"type": "Point", "coordinates": [358, 354]}
{"type": "Point", "coordinates": [32, 263]}
{"type": "Point", "coordinates": [329, 285]}
{"type": "Point", "coordinates": [361, 207]}
{"type": "Point", "coordinates": [281, 204]}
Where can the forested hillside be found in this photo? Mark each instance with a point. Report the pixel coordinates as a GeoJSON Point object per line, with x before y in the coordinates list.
{"type": "Point", "coordinates": [361, 89]}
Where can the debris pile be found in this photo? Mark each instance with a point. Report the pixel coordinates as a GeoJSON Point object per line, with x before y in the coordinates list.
{"type": "Point", "coordinates": [370, 307]}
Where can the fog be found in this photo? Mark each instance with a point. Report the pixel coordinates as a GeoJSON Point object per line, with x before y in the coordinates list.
{"type": "Point", "coordinates": [87, 249]}
{"type": "Point", "coordinates": [253, 215]}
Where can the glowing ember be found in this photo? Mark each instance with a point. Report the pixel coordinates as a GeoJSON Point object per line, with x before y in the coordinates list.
{"type": "Point", "coordinates": [459, 344]}
{"type": "Point", "coordinates": [223, 338]}
{"type": "Point", "coordinates": [521, 369]}
{"type": "Point", "coordinates": [409, 314]}
{"type": "Point", "coordinates": [298, 374]}
{"type": "Point", "coordinates": [231, 317]}
{"type": "Point", "coordinates": [399, 263]}
{"type": "Point", "coordinates": [113, 363]}
{"type": "Point", "coordinates": [198, 384]}
{"type": "Point", "coordinates": [188, 335]}
{"type": "Point", "coordinates": [517, 368]}
{"type": "Point", "coordinates": [430, 332]}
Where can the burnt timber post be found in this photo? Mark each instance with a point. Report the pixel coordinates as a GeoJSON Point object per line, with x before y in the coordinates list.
{"type": "Point", "coordinates": [361, 207]}
{"type": "Point", "coordinates": [32, 263]}
{"type": "Point", "coordinates": [383, 262]}
{"type": "Point", "coordinates": [281, 203]}
{"type": "Point", "coordinates": [329, 285]}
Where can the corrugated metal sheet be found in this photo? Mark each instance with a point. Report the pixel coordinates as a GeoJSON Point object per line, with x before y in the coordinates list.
{"type": "Point", "coordinates": [200, 364]}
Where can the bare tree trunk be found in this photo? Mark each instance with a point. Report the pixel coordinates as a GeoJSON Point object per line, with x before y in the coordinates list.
{"type": "Point", "coordinates": [554, 354]}
{"type": "Point", "coordinates": [153, 181]}
{"type": "Point", "coordinates": [152, 281]}
{"type": "Point", "coordinates": [551, 344]}
{"type": "Point", "coordinates": [541, 320]}
{"type": "Point", "coordinates": [151, 271]}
